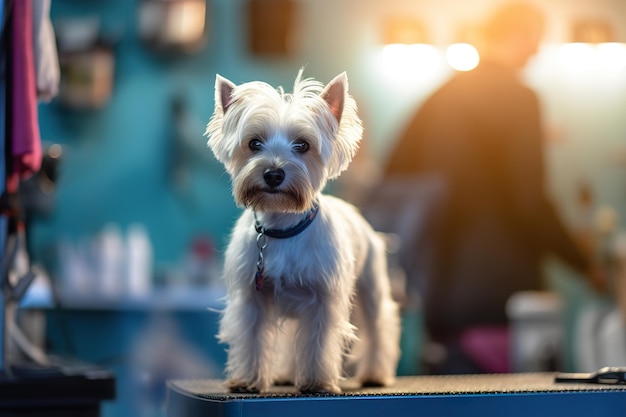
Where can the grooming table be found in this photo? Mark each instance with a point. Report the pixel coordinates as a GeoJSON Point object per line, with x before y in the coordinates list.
{"type": "Point", "coordinates": [502, 395]}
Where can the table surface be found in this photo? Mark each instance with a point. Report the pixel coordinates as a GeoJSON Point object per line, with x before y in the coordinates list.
{"type": "Point", "coordinates": [509, 394]}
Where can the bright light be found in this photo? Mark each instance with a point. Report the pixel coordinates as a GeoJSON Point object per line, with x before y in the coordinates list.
{"type": "Point", "coordinates": [611, 55]}
{"type": "Point", "coordinates": [407, 60]}
{"type": "Point", "coordinates": [577, 55]}
{"type": "Point", "coordinates": [462, 56]}
{"type": "Point", "coordinates": [602, 56]}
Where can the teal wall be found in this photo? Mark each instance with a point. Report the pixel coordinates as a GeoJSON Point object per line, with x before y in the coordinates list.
{"type": "Point", "coordinates": [117, 161]}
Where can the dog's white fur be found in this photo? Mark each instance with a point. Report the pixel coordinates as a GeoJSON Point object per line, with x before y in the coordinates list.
{"type": "Point", "coordinates": [326, 292]}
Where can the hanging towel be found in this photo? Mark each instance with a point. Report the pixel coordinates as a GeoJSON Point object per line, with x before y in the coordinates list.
{"type": "Point", "coordinates": [45, 49]}
{"type": "Point", "coordinates": [25, 139]}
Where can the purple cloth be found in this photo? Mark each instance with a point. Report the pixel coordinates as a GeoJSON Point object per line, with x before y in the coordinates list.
{"type": "Point", "coordinates": [25, 139]}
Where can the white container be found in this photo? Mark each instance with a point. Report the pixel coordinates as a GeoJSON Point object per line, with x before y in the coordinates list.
{"type": "Point", "coordinates": [536, 320]}
{"type": "Point", "coordinates": [139, 261]}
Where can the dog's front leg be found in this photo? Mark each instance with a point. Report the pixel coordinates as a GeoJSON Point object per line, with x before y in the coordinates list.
{"type": "Point", "coordinates": [248, 330]}
{"type": "Point", "coordinates": [320, 341]}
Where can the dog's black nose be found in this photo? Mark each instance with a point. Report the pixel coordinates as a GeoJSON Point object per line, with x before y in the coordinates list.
{"type": "Point", "coordinates": [274, 177]}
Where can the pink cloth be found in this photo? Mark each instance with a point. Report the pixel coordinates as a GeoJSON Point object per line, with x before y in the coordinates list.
{"type": "Point", "coordinates": [25, 139]}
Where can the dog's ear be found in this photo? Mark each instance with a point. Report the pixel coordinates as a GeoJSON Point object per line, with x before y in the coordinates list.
{"type": "Point", "coordinates": [334, 94]}
{"type": "Point", "coordinates": [346, 139]}
{"type": "Point", "coordinates": [214, 129]}
{"type": "Point", "coordinates": [223, 92]}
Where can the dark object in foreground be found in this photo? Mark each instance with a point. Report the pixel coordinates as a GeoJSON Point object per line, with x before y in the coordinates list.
{"type": "Point", "coordinates": [69, 390]}
{"type": "Point", "coordinates": [611, 375]}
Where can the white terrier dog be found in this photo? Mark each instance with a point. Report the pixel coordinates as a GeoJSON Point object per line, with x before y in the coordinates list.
{"type": "Point", "coordinates": [306, 275]}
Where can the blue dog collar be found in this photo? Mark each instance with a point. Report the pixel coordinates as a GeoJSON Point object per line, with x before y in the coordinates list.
{"type": "Point", "coordinates": [291, 231]}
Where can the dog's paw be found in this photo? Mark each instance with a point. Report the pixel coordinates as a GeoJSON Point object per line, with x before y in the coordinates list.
{"type": "Point", "coordinates": [240, 387]}
{"type": "Point", "coordinates": [374, 382]}
{"type": "Point", "coordinates": [319, 388]}
{"type": "Point", "coordinates": [283, 382]}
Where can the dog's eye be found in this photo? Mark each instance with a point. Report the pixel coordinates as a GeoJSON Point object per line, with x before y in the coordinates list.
{"type": "Point", "coordinates": [300, 146]}
{"type": "Point", "coordinates": [255, 144]}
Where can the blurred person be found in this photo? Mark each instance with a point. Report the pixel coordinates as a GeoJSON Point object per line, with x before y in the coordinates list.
{"type": "Point", "coordinates": [481, 134]}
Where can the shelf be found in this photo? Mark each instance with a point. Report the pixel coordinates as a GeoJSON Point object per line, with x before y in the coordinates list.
{"type": "Point", "coordinates": [39, 296]}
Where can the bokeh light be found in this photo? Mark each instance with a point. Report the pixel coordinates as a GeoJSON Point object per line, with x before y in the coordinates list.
{"type": "Point", "coordinates": [577, 56]}
{"type": "Point", "coordinates": [462, 56]}
{"type": "Point", "coordinates": [586, 56]}
{"type": "Point", "coordinates": [611, 55]}
{"type": "Point", "coordinates": [410, 60]}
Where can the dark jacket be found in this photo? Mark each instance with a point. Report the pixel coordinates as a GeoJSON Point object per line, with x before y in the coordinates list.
{"type": "Point", "coordinates": [481, 131]}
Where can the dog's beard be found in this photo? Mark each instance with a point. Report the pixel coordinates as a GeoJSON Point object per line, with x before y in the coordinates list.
{"type": "Point", "coordinates": [262, 200]}
{"type": "Point", "coordinates": [294, 195]}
